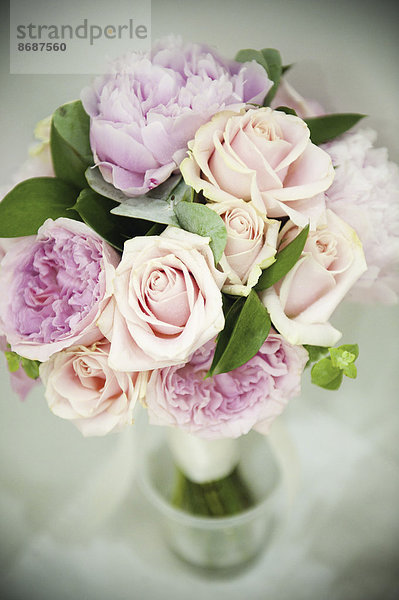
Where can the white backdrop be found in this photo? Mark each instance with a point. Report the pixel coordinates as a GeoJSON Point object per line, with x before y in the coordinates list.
{"type": "Point", "coordinates": [72, 523]}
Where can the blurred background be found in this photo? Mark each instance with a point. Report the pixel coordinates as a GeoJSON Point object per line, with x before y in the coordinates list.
{"type": "Point", "coordinates": [72, 522]}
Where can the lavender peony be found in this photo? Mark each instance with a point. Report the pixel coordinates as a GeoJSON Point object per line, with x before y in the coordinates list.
{"type": "Point", "coordinates": [146, 109]}
{"type": "Point", "coordinates": [229, 404]}
{"type": "Point", "coordinates": [365, 193]}
{"type": "Point", "coordinates": [54, 288]}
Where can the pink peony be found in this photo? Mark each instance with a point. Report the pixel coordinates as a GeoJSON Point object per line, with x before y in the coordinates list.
{"type": "Point", "coordinates": [148, 107]}
{"type": "Point", "coordinates": [365, 193]}
{"type": "Point", "coordinates": [229, 404]}
{"type": "Point", "coordinates": [56, 286]}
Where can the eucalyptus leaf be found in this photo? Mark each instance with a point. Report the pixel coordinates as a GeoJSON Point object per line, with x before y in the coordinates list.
{"type": "Point", "coordinates": [97, 182]}
{"type": "Point", "coordinates": [246, 328]}
{"type": "Point", "coordinates": [70, 143]}
{"type": "Point", "coordinates": [327, 127]}
{"type": "Point", "coordinates": [95, 211]}
{"type": "Point", "coordinates": [149, 209]}
{"type": "Point", "coordinates": [25, 208]}
{"type": "Point", "coordinates": [155, 206]}
{"type": "Point", "coordinates": [284, 262]}
{"type": "Point", "coordinates": [201, 220]}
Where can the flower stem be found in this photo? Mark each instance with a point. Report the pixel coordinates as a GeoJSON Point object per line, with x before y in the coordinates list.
{"type": "Point", "coordinates": [220, 498]}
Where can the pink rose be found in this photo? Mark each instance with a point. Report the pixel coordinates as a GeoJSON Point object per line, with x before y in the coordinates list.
{"type": "Point", "coordinates": [229, 404]}
{"type": "Point", "coordinates": [251, 244]}
{"type": "Point", "coordinates": [302, 302]}
{"type": "Point", "coordinates": [264, 156]}
{"type": "Point", "coordinates": [166, 301]}
{"type": "Point", "coordinates": [81, 387]}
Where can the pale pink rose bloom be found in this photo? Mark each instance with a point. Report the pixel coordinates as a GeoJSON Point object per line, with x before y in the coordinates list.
{"type": "Point", "coordinates": [230, 404]}
{"type": "Point", "coordinates": [81, 387]}
{"type": "Point", "coordinates": [264, 156]}
{"type": "Point", "coordinates": [251, 244]}
{"type": "Point", "coordinates": [166, 301]}
{"type": "Point", "coordinates": [19, 380]}
{"type": "Point", "coordinates": [288, 96]}
{"type": "Point", "coordinates": [301, 303]}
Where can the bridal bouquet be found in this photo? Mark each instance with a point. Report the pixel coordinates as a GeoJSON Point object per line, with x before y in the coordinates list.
{"type": "Point", "coordinates": [179, 240]}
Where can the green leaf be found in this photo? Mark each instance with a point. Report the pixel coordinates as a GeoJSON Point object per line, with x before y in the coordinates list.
{"type": "Point", "coordinates": [249, 55]}
{"type": "Point", "coordinates": [246, 328]}
{"type": "Point", "coordinates": [315, 352]}
{"type": "Point", "coordinates": [31, 367]}
{"type": "Point", "coordinates": [328, 127]}
{"type": "Point", "coordinates": [328, 372]}
{"type": "Point", "coordinates": [285, 260]}
{"type": "Point", "coordinates": [70, 143]}
{"type": "Point", "coordinates": [325, 375]}
{"type": "Point", "coordinates": [156, 206]}
{"type": "Point", "coordinates": [95, 211]}
{"type": "Point", "coordinates": [13, 360]}
{"type": "Point", "coordinates": [201, 220]}
{"type": "Point", "coordinates": [274, 70]}
{"type": "Point", "coordinates": [270, 60]}
{"type": "Point", "coordinates": [287, 110]}
{"type": "Point", "coordinates": [25, 208]}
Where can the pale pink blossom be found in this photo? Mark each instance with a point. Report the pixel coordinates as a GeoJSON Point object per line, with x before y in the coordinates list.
{"type": "Point", "coordinates": [166, 301]}
{"type": "Point", "coordinates": [228, 404]}
{"type": "Point", "coordinates": [264, 156]}
{"type": "Point", "coordinates": [301, 303]}
{"type": "Point", "coordinates": [81, 387]}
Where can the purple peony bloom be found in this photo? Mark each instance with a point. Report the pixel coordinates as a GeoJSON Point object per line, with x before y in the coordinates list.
{"type": "Point", "coordinates": [229, 404]}
{"type": "Point", "coordinates": [365, 194]}
{"type": "Point", "coordinates": [54, 286]}
{"type": "Point", "coordinates": [149, 106]}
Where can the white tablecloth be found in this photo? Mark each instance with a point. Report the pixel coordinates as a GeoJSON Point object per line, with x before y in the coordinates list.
{"type": "Point", "coordinates": [73, 524]}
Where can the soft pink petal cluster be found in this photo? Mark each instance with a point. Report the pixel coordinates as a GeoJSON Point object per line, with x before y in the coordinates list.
{"type": "Point", "coordinates": [301, 303]}
{"type": "Point", "coordinates": [149, 106]}
{"type": "Point", "coordinates": [165, 303]}
{"type": "Point", "coordinates": [262, 156]}
{"type": "Point", "coordinates": [56, 284]}
{"type": "Point", "coordinates": [82, 388]}
{"type": "Point", "coordinates": [365, 193]}
{"type": "Point", "coordinates": [250, 247]}
{"type": "Point", "coordinates": [228, 404]}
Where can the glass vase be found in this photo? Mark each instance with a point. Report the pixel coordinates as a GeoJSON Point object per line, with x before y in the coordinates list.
{"type": "Point", "coordinates": [227, 542]}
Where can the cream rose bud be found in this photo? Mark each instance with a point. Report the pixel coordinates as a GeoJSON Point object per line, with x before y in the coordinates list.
{"type": "Point", "coordinates": [82, 387]}
{"type": "Point", "coordinates": [250, 247]}
{"type": "Point", "coordinates": [261, 155]}
{"type": "Point", "coordinates": [166, 301]}
{"type": "Point", "coordinates": [301, 303]}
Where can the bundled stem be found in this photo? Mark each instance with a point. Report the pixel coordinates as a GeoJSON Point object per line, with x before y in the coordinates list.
{"type": "Point", "coordinates": [219, 498]}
